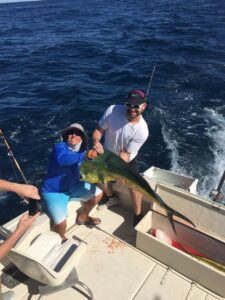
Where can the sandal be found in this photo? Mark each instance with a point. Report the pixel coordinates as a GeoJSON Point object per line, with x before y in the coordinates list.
{"type": "Point", "coordinates": [90, 221]}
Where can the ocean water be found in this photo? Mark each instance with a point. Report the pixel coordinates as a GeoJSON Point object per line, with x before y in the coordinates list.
{"type": "Point", "coordinates": [67, 61]}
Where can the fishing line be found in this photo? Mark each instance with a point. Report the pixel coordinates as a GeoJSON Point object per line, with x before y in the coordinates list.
{"type": "Point", "coordinates": [150, 82]}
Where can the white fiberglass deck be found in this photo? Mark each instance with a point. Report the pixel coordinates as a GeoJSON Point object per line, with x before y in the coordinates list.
{"type": "Point", "coordinates": [114, 269]}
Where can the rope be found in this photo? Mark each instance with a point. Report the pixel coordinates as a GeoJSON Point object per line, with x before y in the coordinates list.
{"type": "Point", "coordinates": [86, 288]}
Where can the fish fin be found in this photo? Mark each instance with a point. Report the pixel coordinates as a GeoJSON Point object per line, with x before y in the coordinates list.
{"type": "Point", "coordinates": [170, 217]}
{"type": "Point", "coordinates": [172, 213]}
{"type": "Point", "coordinates": [106, 156]}
{"type": "Point", "coordinates": [102, 179]}
{"type": "Point", "coordinates": [176, 213]}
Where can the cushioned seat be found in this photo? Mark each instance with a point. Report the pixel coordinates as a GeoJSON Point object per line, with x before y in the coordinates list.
{"type": "Point", "coordinates": [47, 260]}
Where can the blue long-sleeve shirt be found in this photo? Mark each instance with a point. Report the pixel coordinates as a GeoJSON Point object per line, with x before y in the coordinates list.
{"type": "Point", "coordinates": [63, 169]}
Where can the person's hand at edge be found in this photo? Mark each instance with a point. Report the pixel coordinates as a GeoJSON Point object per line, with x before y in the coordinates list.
{"type": "Point", "coordinates": [26, 191]}
{"type": "Point", "coordinates": [91, 154]}
{"type": "Point", "coordinates": [26, 222]}
{"type": "Point", "coordinates": [22, 190]}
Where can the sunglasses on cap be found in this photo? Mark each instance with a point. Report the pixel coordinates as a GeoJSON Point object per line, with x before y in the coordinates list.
{"type": "Point", "coordinates": [74, 131]}
{"type": "Point", "coordinates": [132, 106]}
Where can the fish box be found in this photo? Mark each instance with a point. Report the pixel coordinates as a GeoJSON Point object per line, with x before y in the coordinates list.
{"type": "Point", "coordinates": [194, 268]}
{"type": "Point", "coordinates": [157, 175]}
{"type": "Point", "coordinates": [207, 216]}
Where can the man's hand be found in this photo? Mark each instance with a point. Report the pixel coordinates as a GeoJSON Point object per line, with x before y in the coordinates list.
{"type": "Point", "coordinates": [125, 155]}
{"type": "Point", "coordinates": [96, 138]}
{"type": "Point", "coordinates": [25, 222]}
{"type": "Point", "coordinates": [98, 147]}
{"type": "Point", "coordinates": [91, 154]}
{"type": "Point", "coordinates": [120, 180]}
{"type": "Point", "coordinates": [26, 191]}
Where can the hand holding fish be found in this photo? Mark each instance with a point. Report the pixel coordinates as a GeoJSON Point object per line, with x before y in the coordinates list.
{"type": "Point", "coordinates": [91, 154]}
{"type": "Point", "coordinates": [125, 155]}
{"type": "Point", "coordinates": [98, 147]}
{"type": "Point", "coordinates": [120, 180]}
{"type": "Point", "coordinates": [109, 167]}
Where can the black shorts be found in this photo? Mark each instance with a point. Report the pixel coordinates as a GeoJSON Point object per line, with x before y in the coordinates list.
{"type": "Point", "coordinates": [133, 164]}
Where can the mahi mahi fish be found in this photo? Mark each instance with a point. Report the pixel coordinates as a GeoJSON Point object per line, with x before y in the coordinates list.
{"type": "Point", "coordinates": [108, 167]}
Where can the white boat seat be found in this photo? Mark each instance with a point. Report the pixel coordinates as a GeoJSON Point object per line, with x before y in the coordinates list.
{"type": "Point", "coordinates": [10, 295]}
{"type": "Point", "coordinates": [47, 260]}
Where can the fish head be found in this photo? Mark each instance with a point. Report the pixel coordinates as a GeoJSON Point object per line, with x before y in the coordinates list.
{"type": "Point", "coordinates": [89, 172]}
{"type": "Point", "coordinates": [95, 171]}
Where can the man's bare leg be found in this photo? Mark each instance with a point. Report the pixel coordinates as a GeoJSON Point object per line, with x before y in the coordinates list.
{"type": "Point", "coordinates": [84, 215]}
{"type": "Point", "coordinates": [109, 198]}
{"type": "Point", "coordinates": [137, 201]}
{"type": "Point", "coordinates": [60, 229]}
{"type": "Point", "coordinates": [106, 188]}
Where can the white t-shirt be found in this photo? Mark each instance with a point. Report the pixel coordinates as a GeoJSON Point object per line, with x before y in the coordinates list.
{"type": "Point", "coordinates": [120, 134]}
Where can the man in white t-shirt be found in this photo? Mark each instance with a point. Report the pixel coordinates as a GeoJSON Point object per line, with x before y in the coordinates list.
{"type": "Point", "coordinates": [125, 132]}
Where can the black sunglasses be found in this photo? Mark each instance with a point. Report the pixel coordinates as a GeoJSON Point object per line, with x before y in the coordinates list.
{"type": "Point", "coordinates": [74, 131]}
{"type": "Point", "coordinates": [131, 106]}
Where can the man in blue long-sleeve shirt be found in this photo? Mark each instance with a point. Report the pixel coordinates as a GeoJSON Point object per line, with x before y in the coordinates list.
{"type": "Point", "coordinates": [62, 182]}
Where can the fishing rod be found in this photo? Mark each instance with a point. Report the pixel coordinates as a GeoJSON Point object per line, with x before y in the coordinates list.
{"type": "Point", "coordinates": [216, 195]}
{"type": "Point", "coordinates": [150, 82]}
{"type": "Point", "coordinates": [31, 202]}
{"type": "Point", "coordinates": [10, 153]}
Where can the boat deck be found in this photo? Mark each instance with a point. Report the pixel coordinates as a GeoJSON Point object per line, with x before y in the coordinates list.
{"type": "Point", "coordinates": [114, 269]}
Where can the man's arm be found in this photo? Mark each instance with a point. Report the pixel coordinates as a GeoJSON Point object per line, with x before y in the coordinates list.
{"type": "Point", "coordinates": [124, 155]}
{"type": "Point", "coordinates": [136, 143]}
{"type": "Point", "coordinates": [133, 148]}
{"type": "Point", "coordinates": [23, 190]}
{"type": "Point", "coordinates": [65, 158]}
{"type": "Point", "coordinates": [96, 138]}
{"type": "Point", "coordinates": [25, 222]}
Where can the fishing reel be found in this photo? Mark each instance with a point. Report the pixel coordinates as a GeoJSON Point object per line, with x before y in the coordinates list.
{"type": "Point", "coordinates": [216, 195]}
{"type": "Point", "coordinates": [4, 233]}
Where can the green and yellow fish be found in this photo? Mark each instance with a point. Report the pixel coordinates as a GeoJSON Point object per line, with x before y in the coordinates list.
{"type": "Point", "coordinates": [108, 167]}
